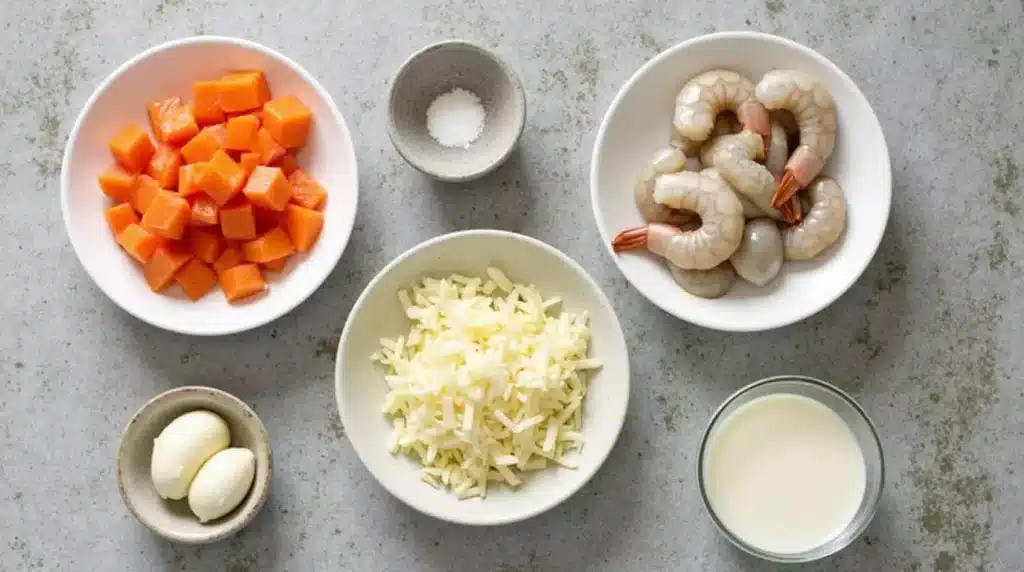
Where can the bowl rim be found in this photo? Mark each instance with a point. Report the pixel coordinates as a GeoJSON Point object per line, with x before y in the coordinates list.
{"type": "Point", "coordinates": [803, 311]}
{"type": "Point", "coordinates": [238, 522]}
{"type": "Point", "coordinates": [604, 304]}
{"type": "Point", "coordinates": [399, 143]}
{"type": "Point", "coordinates": [803, 557]}
{"type": "Point", "coordinates": [301, 291]}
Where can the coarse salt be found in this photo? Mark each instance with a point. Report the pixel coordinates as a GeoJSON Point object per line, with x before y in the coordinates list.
{"type": "Point", "coordinates": [456, 118]}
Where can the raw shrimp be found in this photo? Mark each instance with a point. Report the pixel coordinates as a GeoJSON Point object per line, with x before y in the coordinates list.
{"type": "Point", "coordinates": [759, 257]}
{"type": "Point", "coordinates": [778, 151]}
{"type": "Point", "coordinates": [713, 283]}
{"type": "Point", "coordinates": [734, 158]}
{"type": "Point", "coordinates": [815, 112]}
{"type": "Point", "coordinates": [750, 210]}
{"type": "Point", "coordinates": [663, 162]}
{"type": "Point", "coordinates": [705, 96]}
{"type": "Point", "coordinates": [822, 225]}
{"type": "Point", "coordinates": [703, 248]}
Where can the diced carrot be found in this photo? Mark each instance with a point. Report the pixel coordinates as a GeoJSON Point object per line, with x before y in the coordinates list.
{"type": "Point", "coordinates": [303, 226]}
{"type": "Point", "coordinates": [288, 164]}
{"type": "Point", "coordinates": [164, 264]}
{"type": "Point", "coordinates": [201, 147]}
{"type": "Point", "coordinates": [230, 258]}
{"type": "Point", "coordinates": [241, 281]}
{"type": "Point", "coordinates": [271, 246]}
{"type": "Point", "coordinates": [168, 215]}
{"type": "Point", "coordinates": [243, 91]}
{"type": "Point", "coordinates": [138, 242]}
{"type": "Point", "coordinates": [248, 162]}
{"type": "Point", "coordinates": [120, 216]}
{"type": "Point", "coordinates": [287, 120]}
{"type": "Point", "coordinates": [270, 150]}
{"type": "Point", "coordinates": [117, 183]}
{"type": "Point", "coordinates": [217, 183]}
{"type": "Point", "coordinates": [164, 166]}
{"type": "Point", "coordinates": [237, 221]}
{"type": "Point", "coordinates": [207, 244]}
{"type": "Point", "coordinates": [172, 121]}
{"type": "Point", "coordinates": [196, 279]}
{"type": "Point", "coordinates": [132, 148]}
{"type": "Point", "coordinates": [205, 106]}
{"type": "Point", "coordinates": [267, 187]}
{"type": "Point", "coordinates": [241, 132]}
{"type": "Point", "coordinates": [234, 174]}
{"type": "Point", "coordinates": [306, 191]}
{"type": "Point", "coordinates": [275, 265]}
{"type": "Point", "coordinates": [188, 179]}
{"type": "Point", "coordinates": [204, 211]}
{"type": "Point", "coordinates": [146, 189]}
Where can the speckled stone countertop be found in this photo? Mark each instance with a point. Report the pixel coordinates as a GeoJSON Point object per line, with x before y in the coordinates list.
{"type": "Point", "coordinates": [929, 340]}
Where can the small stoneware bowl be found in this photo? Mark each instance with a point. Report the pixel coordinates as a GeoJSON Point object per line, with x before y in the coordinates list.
{"type": "Point", "coordinates": [172, 519]}
{"type": "Point", "coordinates": [436, 70]}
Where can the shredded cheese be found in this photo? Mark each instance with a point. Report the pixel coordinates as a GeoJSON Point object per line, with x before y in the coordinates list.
{"type": "Point", "coordinates": [488, 384]}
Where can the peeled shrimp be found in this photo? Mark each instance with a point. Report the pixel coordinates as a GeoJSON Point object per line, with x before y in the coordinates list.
{"type": "Point", "coordinates": [713, 283]}
{"type": "Point", "coordinates": [778, 150]}
{"type": "Point", "coordinates": [718, 236]}
{"type": "Point", "coordinates": [759, 257]}
{"type": "Point", "coordinates": [822, 225]}
{"type": "Point", "coordinates": [734, 158]}
{"type": "Point", "coordinates": [815, 112]}
{"type": "Point", "coordinates": [708, 94]}
{"type": "Point", "coordinates": [750, 210]}
{"type": "Point", "coordinates": [663, 162]}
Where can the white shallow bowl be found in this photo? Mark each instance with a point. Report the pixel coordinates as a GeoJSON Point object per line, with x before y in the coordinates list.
{"type": "Point", "coordinates": [361, 388]}
{"type": "Point", "coordinates": [169, 70]}
{"type": "Point", "coordinates": [639, 121]}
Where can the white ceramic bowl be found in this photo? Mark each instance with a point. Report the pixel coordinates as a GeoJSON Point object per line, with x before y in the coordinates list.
{"type": "Point", "coordinates": [639, 122]}
{"type": "Point", "coordinates": [361, 388]}
{"type": "Point", "coordinates": [164, 71]}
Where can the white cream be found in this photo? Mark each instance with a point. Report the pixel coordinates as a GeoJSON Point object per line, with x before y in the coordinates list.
{"type": "Point", "coordinates": [784, 473]}
{"type": "Point", "coordinates": [222, 483]}
{"type": "Point", "coordinates": [182, 448]}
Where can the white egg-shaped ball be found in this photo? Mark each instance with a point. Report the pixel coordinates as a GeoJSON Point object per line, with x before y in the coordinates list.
{"type": "Point", "coordinates": [222, 483]}
{"type": "Point", "coordinates": [182, 448]}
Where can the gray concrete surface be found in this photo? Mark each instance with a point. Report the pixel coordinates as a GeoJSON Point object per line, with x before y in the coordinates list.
{"type": "Point", "coordinates": [929, 339]}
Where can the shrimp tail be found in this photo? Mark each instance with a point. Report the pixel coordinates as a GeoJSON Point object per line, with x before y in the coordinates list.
{"type": "Point", "coordinates": [787, 189]}
{"type": "Point", "coordinates": [791, 210]}
{"type": "Point", "coordinates": [630, 239]}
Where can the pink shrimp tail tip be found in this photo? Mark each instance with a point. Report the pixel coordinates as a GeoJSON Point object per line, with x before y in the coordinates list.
{"type": "Point", "coordinates": [630, 239]}
{"type": "Point", "coordinates": [788, 187]}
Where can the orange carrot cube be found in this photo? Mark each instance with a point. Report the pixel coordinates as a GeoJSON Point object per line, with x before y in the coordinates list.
{"type": "Point", "coordinates": [267, 187]}
{"type": "Point", "coordinates": [146, 189]}
{"type": "Point", "coordinates": [270, 150]}
{"type": "Point", "coordinates": [237, 222]}
{"type": "Point", "coordinates": [287, 120]}
{"type": "Point", "coordinates": [242, 281]}
{"type": "Point", "coordinates": [306, 191]}
{"type": "Point", "coordinates": [164, 166]}
{"type": "Point", "coordinates": [172, 121]}
{"type": "Point", "coordinates": [132, 148]}
{"type": "Point", "coordinates": [188, 179]}
{"type": "Point", "coordinates": [205, 102]}
{"type": "Point", "coordinates": [207, 244]}
{"type": "Point", "coordinates": [117, 183]}
{"type": "Point", "coordinates": [204, 211]}
{"type": "Point", "coordinates": [202, 147]}
{"type": "Point", "coordinates": [164, 264]}
{"type": "Point", "coordinates": [196, 279]}
{"type": "Point", "coordinates": [248, 162]}
{"type": "Point", "coordinates": [120, 216]}
{"type": "Point", "coordinates": [216, 184]}
{"type": "Point", "coordinates": [241, 132]}
{"type": "Point", "coordinates": [275, 265]}
{"type": "Point", "coordinates": [243, 91]}
{"type": "Point", "coordinates": [230, 258]}
{"type": "Point", "coordinates": [168, 215]}
{"type": "Point", "coordinates": [303, 226]}
{"type": "Point", "coordinates": [271, 246]}
{"type": "Point", "coordinates": [231, 170]}
{"type": "Point", "coordinates": [138, 242]}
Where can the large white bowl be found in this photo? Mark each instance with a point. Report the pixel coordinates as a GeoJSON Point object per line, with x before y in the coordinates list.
{"type": "Point", "coordinates": [639, 122]}
{"type": "Point", "coordinates": [168, 70]}
{"type": "Point", "coordinates": [377, 314]}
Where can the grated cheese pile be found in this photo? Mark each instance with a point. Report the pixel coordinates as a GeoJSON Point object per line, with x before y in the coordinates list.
{"type": "Point", "coordinates": [488, 384]}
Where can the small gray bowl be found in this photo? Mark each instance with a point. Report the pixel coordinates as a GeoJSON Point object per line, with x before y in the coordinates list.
{"type": "Point", "coordinates": [436, 70]}
{"type": "Point", "coordinates": [172, 519]}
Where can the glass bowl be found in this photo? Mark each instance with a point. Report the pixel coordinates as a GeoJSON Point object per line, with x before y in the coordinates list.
{"type": "Point", "coordinates": [854, 417]}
